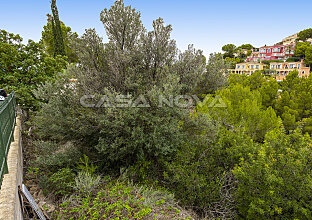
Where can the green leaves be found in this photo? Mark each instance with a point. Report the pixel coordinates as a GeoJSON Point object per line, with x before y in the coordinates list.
{"type": "Point", "coordinates": [123, 25]}
{"type": "Point", "coordinates": [305, 34]}
{"type": "Point", "coordinates": [244, 112]}
{"type": "Point", "coordinates": [69, 38]}
{"type": "Point", "coordinates": [24, 67]}
{"type": "Point", "coordinates": [276, 181]}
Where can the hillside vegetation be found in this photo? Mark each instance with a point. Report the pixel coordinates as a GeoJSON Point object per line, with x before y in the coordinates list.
{"type": "Point", "coordinates": [99, 145]}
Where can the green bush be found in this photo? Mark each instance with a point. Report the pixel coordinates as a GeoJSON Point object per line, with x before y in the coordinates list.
{"type": "Point", "coordinates": [276, 182]}
{"type": "Point", "coordinates": [202, 177]}
{"type": "Point", "coordinates": [62, 181]}
{"type": "Point", "coordinates": [85, 182]}
{"type": "Point", "coordinates": [117, 200]}
{"type": "Point", "coordinates": [53, 156]}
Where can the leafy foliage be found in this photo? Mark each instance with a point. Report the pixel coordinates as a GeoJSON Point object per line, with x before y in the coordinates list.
{"type": "Point", "coordinates": [117, 200]}
{"type": "Point", "coordinates": [24, 67]}
{"type": "Point", "coordinates": [305, 34]}
{"type": "Point", "coordinates": [229, 50]}
{"type": "Point", "coordinates": [276, 181]}
{"type": "Point", "coordinates": [135, 63]}
{"type": "Point", "coordinates": [69, 38]}
{"type": "Point", "coordinates": [58, 38]}
{"type": "Point", "coordinates": [61, 182]}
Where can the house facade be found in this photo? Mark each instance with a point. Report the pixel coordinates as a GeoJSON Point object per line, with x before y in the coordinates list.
{"type": "Point", "coordinates": [276, 52]}
{"type": "Point", "coordinates": [290, 40]}
{"type": "Point", "coordinates": [282, 69]}
{"type": "Point", "coordinates": [247, 68]}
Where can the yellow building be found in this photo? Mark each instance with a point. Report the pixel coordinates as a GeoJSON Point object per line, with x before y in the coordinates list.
{"type": "Point", "coordinates": [282, 69]}
{"type": "Point", "coordinates": [247, 68]}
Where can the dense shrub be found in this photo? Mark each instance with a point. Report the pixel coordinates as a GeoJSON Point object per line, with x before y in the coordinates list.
{"type": "Point", "coordinates": [275, 183]}
{"type": "Point", "coordinates": [53, 156]}
{"type": "Point", "coordinates": [61, 182]}
{"type": "Point", "coordinates": [203, 179]}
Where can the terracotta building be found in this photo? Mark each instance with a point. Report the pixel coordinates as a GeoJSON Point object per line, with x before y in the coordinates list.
{"type": "Point", "coordinates": [282, 69]}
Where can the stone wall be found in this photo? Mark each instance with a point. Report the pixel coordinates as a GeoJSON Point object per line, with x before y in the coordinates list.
{"type": "Point", "coordinates": [10, 208]}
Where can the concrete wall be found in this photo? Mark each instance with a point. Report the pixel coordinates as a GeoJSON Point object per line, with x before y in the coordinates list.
{"type": "Point", "coordinates": [9, 201]}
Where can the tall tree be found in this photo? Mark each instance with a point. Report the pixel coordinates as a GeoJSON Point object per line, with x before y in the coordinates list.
{"type": "Point", "coordinates": [122, 24]}
{"type": "Point", "coordinates": [216, 75]}
{"type": "Point", "coordinates": [59, 46]}
{"type": "Point", "coordinates": [69, 38]}
{"type": "Point", "coordinates": [305, 34]}
{"type": "Point", "coordinates": [229, 50]}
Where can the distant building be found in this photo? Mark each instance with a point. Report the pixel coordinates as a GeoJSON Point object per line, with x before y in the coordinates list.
{"type": "Point", "coordinates": [290, 40]}
{"type": "Point", "coordinates": [282, 69]}
{"type": "Point", "coordinates": [276, 52]}
{"type": "Point", "coordinates": [241, 51]}
{"type": "Point", "coordinates": [247, 68]}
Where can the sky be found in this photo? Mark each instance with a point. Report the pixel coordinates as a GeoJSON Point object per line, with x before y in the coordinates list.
{"type": "Point", "coordinates": [207, 24]}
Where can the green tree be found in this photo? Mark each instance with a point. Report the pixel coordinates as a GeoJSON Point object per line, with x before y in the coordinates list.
{"type": "Point", "coordinates": [305, 34]}
{"type": "Point", "coordinates": [69, 40]}
{"type": "Point", "coordinates": [301, 48]}
{"type": "Point", "coordinates": [123, 25]}
{"type": "Point", "coordinates": [243, 112]}
{"type": "Point", "coordinates": [24, 67]}
{"type": "Point", "coordinates": [234, 61]}
{"type": "Point", "coordinates": [308, 56]}
{"type": "Point", "coordinates": [246, 46]}
{"type": "Point", "coordinates": [216, 75]}
{"type": "Point", "coordinates": [229, 50]}
{"type": "Point", "coordinates": [294, 102]}
{"type": "Point", "coordinates": [134, 63]}
{"type": "Point", "coordinates": [275, 183]}
{"type": "Point", "coordinates": [58, 39]}
{"type": "Point", "coordinates": [304, 51]}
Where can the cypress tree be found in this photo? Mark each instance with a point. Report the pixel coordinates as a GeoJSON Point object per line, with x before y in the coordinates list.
{"type": "Point", "coordinates": [59, 46]}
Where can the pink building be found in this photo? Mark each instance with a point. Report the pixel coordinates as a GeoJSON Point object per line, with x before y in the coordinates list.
{"type": "Point", "coordinates": [276, 52]}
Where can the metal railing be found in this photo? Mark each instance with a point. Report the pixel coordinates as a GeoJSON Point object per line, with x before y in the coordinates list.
{"type": "Point", "coordinates": [7, 124]}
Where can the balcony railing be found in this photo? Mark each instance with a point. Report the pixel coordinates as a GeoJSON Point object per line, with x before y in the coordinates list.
{"type": "Point", "coordinates": [7, 124]}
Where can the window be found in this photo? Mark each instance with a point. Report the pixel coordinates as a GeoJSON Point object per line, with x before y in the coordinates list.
{"type": "Point", "coordinates": [298, 66]}
{"type": "Point", "coordinates": [272, 66]}
{"type": "Point", "coordinates": [302, 72]}
{"type": "Point", "coordinates": [257, 67]}
{"type": "Point", "coordinates": [238, 66]}
{"type": "Point", "coordinates": [252, 66]}
{"type": "Point", "coordinates": [291, 66]}
{"type": "Point", "coordinates": [269, 50]}
{"type": "Point", "coordinates": [243, 66]}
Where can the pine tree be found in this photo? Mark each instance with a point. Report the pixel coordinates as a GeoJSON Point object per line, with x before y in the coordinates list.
{"type": "Point", "coordinates": [59, 47]}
